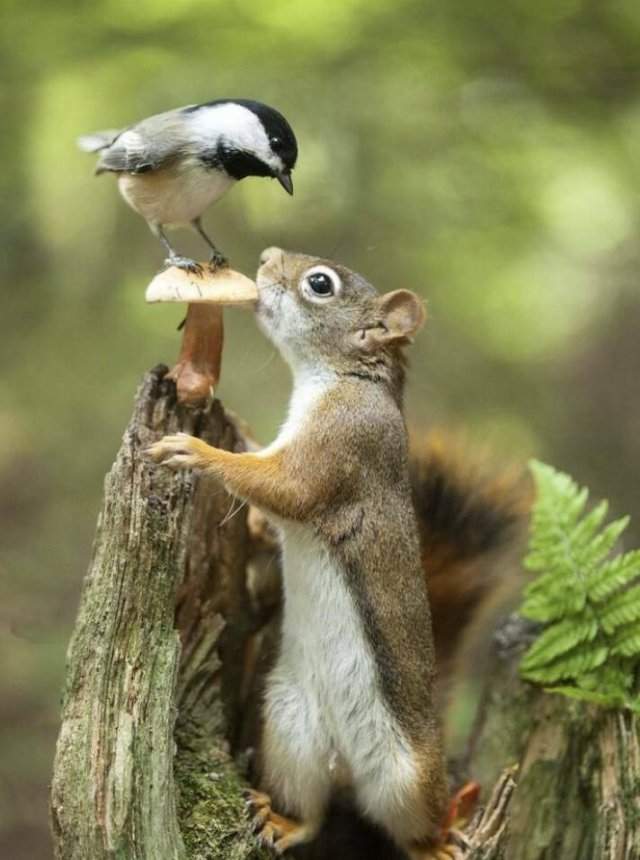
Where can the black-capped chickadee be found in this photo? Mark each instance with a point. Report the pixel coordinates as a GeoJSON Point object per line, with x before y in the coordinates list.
{"type": "Point", "coordinates": [173, 165]}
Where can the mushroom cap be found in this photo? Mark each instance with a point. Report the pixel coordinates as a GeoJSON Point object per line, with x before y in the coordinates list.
{"type": "Point", "coordinates": [222, 286]}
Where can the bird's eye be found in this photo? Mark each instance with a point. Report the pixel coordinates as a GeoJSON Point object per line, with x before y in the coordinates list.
{"type": "Point", "coordinates": [276, 142]}
{"type": "Point", "coordinates": [320, 283]}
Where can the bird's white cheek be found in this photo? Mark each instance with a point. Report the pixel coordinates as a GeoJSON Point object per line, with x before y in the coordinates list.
{"type": "Point", "coordinates": [274, 162]}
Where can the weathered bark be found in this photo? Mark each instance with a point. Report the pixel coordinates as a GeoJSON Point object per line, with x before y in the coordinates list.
{"type": "Point", "coordinates": [159, 685]}
{"type": "Point", "coordinates": [169, 563]}
{"type": "Point", "coordinates": [571, 789]}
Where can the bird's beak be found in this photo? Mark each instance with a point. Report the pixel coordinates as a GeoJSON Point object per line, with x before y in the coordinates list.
{"type": "Point", "coordinates": [286, 181]}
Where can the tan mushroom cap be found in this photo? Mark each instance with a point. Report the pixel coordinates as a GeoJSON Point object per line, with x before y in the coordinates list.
{"type": "Point", "coordinates": [221, 287]}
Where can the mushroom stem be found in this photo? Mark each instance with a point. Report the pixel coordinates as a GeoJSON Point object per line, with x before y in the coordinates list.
{"type": "Point", "coordinates": [197, 370]}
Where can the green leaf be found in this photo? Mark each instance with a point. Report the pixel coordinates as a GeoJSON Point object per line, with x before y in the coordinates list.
{"type": "Point", "coordinates": [602, 544]}
{"type": "Point", "coordinates": [623, 608]}
{"type": "Point", "coordinates": [605, 700]}
{"type": "Point", "coordinates": [613, 575]}
{"type": "Point", "coordinates": [627, 642]}
{"type": "Point", "coordinates": [579, 662]}
{"type": "Point", "coordinates": [557, 640]}
{"type": "Point", "coordinates": [589, 602]}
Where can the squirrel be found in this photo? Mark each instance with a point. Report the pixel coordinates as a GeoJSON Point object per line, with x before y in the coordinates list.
{"type": "Point", "coordinates": [351, 701]}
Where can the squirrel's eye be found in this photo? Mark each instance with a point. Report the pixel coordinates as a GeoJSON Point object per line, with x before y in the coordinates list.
{"type": "Point", "coordinates": [320, 283]}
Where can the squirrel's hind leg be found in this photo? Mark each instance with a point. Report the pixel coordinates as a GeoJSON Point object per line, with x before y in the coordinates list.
{"type": "Point", "coordinates": [405, 791]}
{"type": "Point", "coordinates": [294, 763]}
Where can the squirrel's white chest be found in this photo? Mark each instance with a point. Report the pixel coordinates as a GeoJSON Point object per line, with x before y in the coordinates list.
{"type": "Point", "coordinates": [324, 689]}
{"type": "Point", "coordinates": [323, 640]}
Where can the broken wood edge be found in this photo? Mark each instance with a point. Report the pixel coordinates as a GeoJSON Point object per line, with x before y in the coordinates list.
{"type": "Point", "coordinates": [158, 643]}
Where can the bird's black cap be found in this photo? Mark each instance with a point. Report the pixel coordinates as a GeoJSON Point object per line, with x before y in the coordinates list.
{"type": "Point", "coordinates": [283, 140]}
{"type": "Point", "coordinates": [280, 134]}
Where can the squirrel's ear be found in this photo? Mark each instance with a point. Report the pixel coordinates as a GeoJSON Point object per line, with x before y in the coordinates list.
{"type": "Point", "coordinates": [401, 314]}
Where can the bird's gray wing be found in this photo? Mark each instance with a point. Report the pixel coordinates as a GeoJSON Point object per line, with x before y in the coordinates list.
{"type": "Point", "coordinates": [146, 146]}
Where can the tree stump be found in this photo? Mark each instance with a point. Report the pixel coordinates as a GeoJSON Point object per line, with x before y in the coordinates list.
{"type": "Point", "coordinates": [161, 686]}
{"type": "Point", "coordinates": [570, 782]}
{"type": "Point", "coordinates": [158, 644]}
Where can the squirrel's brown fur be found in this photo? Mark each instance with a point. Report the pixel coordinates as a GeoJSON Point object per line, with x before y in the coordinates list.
{"type": "Point", "coordinates": [351, 700]}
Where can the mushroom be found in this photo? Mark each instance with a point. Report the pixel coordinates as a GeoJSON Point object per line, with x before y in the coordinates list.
{"type": "Point", "coordinates": [205, 291]}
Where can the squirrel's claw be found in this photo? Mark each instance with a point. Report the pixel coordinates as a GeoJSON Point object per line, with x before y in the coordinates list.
{"type": "Point", "coordinates": [272, 830]}
{"type": "Point", "coordinates": [256, 799]}
{"type": "Point", "coordinates": [180, 451]}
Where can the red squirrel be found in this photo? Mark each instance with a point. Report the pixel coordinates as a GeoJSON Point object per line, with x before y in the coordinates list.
{"type": "Point", "coordinates": [351, 699]}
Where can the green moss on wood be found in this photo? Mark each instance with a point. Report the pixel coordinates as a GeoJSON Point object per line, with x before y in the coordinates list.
{"type": "Point", "coordinates": [211, 808]}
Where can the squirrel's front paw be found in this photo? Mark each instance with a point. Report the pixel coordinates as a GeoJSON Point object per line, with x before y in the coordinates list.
{"type": "Point", "coordinates": [179, 452]}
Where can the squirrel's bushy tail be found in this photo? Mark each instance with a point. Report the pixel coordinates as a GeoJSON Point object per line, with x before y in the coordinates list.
{"type": "Point", "coordinates": [472, 523]}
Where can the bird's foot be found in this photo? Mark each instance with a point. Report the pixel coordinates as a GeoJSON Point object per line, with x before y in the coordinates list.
{"type": "Point", "coordinates": [185, 263]}
{"type": "Point", "coordinates": [217, 260]}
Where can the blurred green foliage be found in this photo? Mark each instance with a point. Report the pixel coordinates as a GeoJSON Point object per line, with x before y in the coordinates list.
{"type": "Point", "coordinates": [484, 154]}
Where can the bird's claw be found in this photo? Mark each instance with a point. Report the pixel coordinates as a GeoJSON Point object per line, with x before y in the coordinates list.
{"type": "Point", "coordinates": [185, 263]}
{"type": "Point", "coordinates": [217, 260]}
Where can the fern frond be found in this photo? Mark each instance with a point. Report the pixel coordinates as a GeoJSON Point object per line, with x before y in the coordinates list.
{"type": "Point", "coordinates": [589, 602]}
{"type": "Point", "coordinates": [623, 608]}
{"type": "Point", "coordinates": [600, 545]}
{"type": "Point", "coordinates": [546, 608]}
{"type": "Point", "coordinates": [612, 675]}
{"type": "Point", "coordinates": [558, 639]}
{"type": "Point", "coordinates": [584, 531]}
{"type": "Point", "coordinates": [580, 661]}
{"type": "Point", "coordinates": [626, 642]}
{"type": "Point", "coordinates": [605, 700]}
{"type": "Point", "coordinates": [613, 575]}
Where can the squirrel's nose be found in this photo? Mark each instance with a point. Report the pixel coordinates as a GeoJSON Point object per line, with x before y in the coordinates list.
{"type": "Point", "coordinates": [270, 254]}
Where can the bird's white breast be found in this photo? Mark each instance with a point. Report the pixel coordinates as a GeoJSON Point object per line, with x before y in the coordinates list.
{"type": "Point", "coordinates": [174, 195]}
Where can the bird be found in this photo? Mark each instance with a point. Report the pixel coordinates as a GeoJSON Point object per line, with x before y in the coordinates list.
{"type": "Point", "coordinates": [173, 165]}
